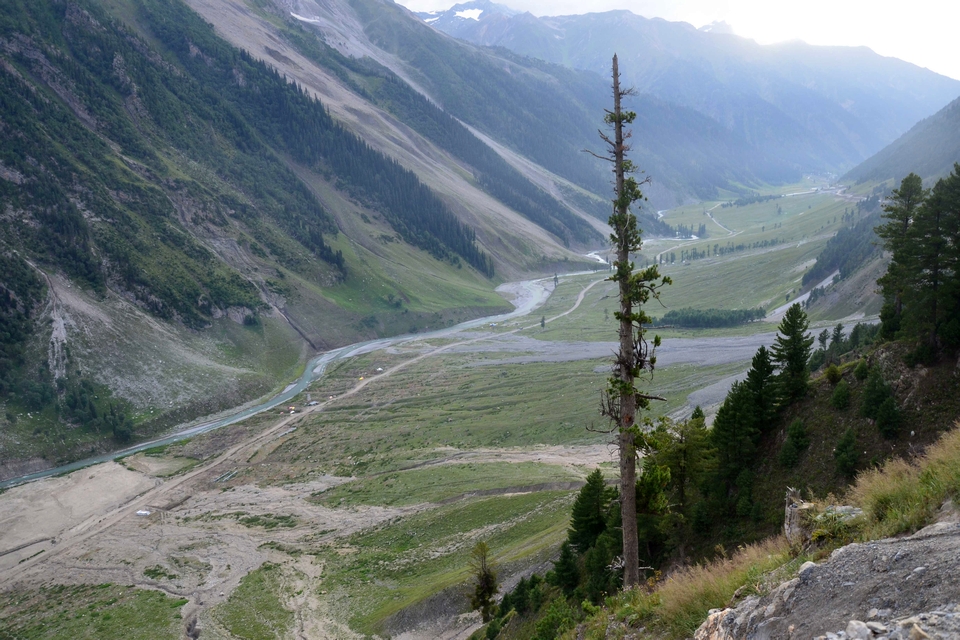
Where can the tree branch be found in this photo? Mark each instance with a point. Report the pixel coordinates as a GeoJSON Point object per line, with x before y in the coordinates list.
{"type": "Point", "coordinates": [604, 158]}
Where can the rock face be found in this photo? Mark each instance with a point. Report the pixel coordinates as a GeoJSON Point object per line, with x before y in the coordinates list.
{"type": "Point", "coordinates": [793, 518]}
{"type": "Point", "coordinates": [894, 589]}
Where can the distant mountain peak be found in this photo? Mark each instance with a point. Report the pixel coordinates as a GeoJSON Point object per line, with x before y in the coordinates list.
{"type": "Point", "coordinates": [717, 26]}
{"type": "Point", "coordinates": [474, 10]}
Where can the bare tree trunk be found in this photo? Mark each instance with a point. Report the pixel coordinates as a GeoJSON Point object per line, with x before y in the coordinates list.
{"type": "Point", "coordinates": [627, 360]}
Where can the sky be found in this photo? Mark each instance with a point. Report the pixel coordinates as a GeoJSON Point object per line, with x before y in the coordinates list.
{"type": "Point", "coordinates": [924, 32]}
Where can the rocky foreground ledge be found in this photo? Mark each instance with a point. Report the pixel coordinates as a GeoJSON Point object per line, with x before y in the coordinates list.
{"type": "Point", "coordinates": [894, 589]}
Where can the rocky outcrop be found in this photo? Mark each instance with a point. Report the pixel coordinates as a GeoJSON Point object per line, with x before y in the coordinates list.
{"type": "Point", "coordinates": [893, 589]}
{"type": "Point", "coordinates": [794, 528]}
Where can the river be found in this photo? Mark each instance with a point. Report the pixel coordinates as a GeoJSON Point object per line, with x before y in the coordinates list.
{"type": "Point", "coordinates": [526, 296]}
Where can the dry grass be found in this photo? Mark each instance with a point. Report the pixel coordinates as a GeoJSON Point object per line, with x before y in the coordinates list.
{"type": "Point", "coordinates": [687, 595]}
{"type": "Point", "coordinates": [902, 496]}
{"type": "Point", "coordinates": [679, 604]}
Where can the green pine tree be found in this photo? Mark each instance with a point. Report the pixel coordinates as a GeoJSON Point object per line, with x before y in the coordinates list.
{"type": "Point", "coordinates": [791, 352]}
{"type": "Point", "coordinates": [846, 454]}
{"type": "Point", "coordinates": [486, 586]}
{"type": "Point", "coordinates": [566, 573]}
{"type": "Point", "coordinates": [840, 398]}
{"type": "Point", "coordinates": [888, 418]}
{"type": "Point", "coordinates": [763, 387]}
{"type": "Point", "coordinates": [590, 511]}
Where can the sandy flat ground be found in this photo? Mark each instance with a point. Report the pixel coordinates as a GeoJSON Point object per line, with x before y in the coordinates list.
{"type": "Point", "coordinates": [47, 509]}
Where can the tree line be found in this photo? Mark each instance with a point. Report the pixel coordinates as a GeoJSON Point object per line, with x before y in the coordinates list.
{"type": "Point", "coordinates": [921, 287]}
{"type": "Point", "coordinates": [492, 173]}
{"type": "Point", "coordinates": [748, 200]}
{"type": "Point", "coordinates": [709, 318]}
{"type": "Point", "coordinates": [847, 251]}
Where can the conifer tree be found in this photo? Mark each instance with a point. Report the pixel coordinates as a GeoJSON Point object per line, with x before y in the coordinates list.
{"type": "Point", "coordinates": [760, 381]}
{"type": "Point", "coordinates": [899, 212]}
{"type": "Point", "coordinates": [589, 514]}
{"type": "Point", "coordinates": [566, 574]}
{"type": "Point", "coordinates": [846, 454]}
{"type": "Point", "coordinates": [734, 435]}
{"type": "Point", "coordinates": [791, 352]}
{"type": "Point", "coordinates": [486, 585]}
{"type": "Point", "coordinates": [636, 356]}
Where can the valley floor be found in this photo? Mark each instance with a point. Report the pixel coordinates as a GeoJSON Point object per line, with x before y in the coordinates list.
{"type": "Point", "coordinates": [355, 515]}
{"type": "Point", "coordinates": [195, 520]}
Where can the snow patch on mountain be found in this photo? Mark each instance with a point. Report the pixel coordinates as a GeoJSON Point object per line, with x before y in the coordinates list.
{"type": "Point", "coordinates": [469, 14]}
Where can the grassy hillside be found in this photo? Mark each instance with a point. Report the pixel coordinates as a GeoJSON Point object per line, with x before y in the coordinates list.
{"type": "Point", "coordinates": [929, 149]}
{"type": "Point", "coordinates": [179, 214]}
{"type": "Point", "coordinates": [545, 112]}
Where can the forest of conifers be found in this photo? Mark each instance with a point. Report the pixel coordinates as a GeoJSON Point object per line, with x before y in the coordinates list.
{"type": "Point", "coordinates": [94, 121]}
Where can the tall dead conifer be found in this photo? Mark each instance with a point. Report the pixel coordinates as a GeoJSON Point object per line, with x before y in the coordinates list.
{"type": "Point", "coordinates": [622, 399]}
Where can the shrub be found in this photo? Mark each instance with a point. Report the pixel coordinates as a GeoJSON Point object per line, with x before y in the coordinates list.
{"type": "Point", "coordinates": [862, 370]}
{"type": "Point", "coordinates": [840, 398]}
{"type": "Point", "coordinates": [789, 455]}
{"type": "Point", "coordinates": [798, 433]}
{"type": "Point", "coordinates": [923, 354]}
{"type": "Point", "coordinates": [833, 374]}
{"type": "Point", "coordinates": [558, 617]}
{"type": "Point", "coordinates": [846, 454]}
{"type": "Point", "coordinates": [875, 391]}
{"type": "Point", "coordinates": [888, 418]}
{"type": "Point", "coordinates": [795, 444]}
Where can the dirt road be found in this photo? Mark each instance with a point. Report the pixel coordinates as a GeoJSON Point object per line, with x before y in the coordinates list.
{"type": "Point", "coordinates": [46, 520]}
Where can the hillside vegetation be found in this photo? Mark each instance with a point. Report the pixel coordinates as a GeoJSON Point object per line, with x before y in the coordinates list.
{"type": "Point", "coordinates": [161, 173]}
{"type": "Point", "coordinates": [929, 149]}
{"type": "Point", "coordinates": [701, 491]}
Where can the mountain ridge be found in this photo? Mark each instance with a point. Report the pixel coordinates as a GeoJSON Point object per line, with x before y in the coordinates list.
{"type": "Point", "coordinates": [861, 98]}
{"type": "Point", "coordinates": [930, 149]}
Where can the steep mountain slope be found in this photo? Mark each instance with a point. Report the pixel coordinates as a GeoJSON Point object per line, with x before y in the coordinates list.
{"type": "Point", "coordinates": [545, 113]}
{"type": "Point", "coordinates": [181, 224]}
{"type": "Point", "coordinates": [929, 149]}
{"type": "Point", "coordinates": [823, 108]}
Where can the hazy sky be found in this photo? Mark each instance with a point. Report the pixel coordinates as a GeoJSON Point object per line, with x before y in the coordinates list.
{"type": "Point", "coordinates": [924, 32]}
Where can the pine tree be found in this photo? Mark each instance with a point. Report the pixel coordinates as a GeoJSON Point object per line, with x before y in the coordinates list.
{"type": "Point", "coordinates": [762, 384]}
{"type": "Point", "coordinates": [566, 574]}
{"type": "Point", "coordinates": [636, 356]}
{"type": "Point", "coordinates": [899, 213]}
{"type": "Point", "coordinates": [486, 586]}
{"type": "Point", "coordinates": [840, 398]}
{"type": "Point", "coordinates": [846, 454]}
{"type": "Point", "coordinates": [888, 418]}
{"type": "Point", "coordinates": [734, 435]}
{"type": "Point", "coordinates": [875, 391]}
{"type": "Point", "coordinates": [795, 444]}
{"type": "Point", "coordinates": [791, 352]}
{"type": "Point", "coordinates": [589, 513]}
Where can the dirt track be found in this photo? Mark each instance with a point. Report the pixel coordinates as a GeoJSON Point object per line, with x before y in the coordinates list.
{"type": "Point", "coordinates": [84, 527]}
{"type": "Point", "coordinates": [91, 526]}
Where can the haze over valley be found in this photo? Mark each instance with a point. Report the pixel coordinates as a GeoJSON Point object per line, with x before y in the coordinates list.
{"type": "Point", "coordinates": [310, 311]}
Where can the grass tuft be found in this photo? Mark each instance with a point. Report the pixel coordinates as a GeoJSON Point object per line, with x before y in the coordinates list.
{"type": "Point", "coordinates": [902, 497]}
